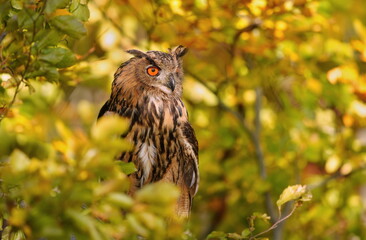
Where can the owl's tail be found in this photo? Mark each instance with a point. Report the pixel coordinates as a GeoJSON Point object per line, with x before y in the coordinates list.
{"type": "Point", "coordinates": [184, 203]}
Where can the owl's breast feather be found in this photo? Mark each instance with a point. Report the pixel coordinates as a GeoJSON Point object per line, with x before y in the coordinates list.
{"type": "Point", "coordinates": [164, 113]}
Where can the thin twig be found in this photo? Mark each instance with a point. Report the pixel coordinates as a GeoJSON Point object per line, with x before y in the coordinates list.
{"type": "Point", "coordinates": [336, 175]}
{"type": "Point", "coordinates": [2, 36]}
{"type": "Point", "coordinates": [236, 114]}
{"type": "Point", "coordinates": [4, 225]}
{"type": "Point", "coordinates": [256, 24]}
{"type": "Point", "coordinates": [275, 225]}
{"type": "Point", "coordinates": [114, 24]}
{"type": "Point", "coordinates": [26, 68]}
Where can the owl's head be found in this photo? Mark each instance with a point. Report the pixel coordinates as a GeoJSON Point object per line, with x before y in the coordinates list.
{"type": "Point", "coordinates": [157, 70]}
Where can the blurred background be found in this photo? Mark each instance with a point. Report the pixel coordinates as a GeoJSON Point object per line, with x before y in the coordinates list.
{"type": "Point", "coordinates": [275, 90]}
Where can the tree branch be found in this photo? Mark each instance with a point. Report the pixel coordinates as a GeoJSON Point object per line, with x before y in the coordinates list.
{"type": "Point", "coordinates": [221, 104]}
{"type": "Point", "coordinates": [257, 133]}
{"type": "Point", "coordinates": [255, 24]}
{"type": "Point", "coordinates": [114, 24]}
{"type": "Point", "coordinates": [4, 225]}
{"type": "Point", "coordinates": [26, 68]}
{"type": "Point", "coordinates": [275, 225]}
{"type": "Point", "coordinates": [259, 152]}
{"type": "Point", "coordinates": [336, 175]}
{"type": "Point", "coordinates": [254, 135]}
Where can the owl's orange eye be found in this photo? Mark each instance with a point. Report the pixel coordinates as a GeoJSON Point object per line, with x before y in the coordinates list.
{"type": "Point", "coordinates": [153, 71]}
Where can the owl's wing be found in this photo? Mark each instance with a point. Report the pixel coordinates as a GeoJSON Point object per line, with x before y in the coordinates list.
{"type": "Point", "coordinates": [189, 182]}
{"type": "Point", "coordinates": [191, 174]}
{"type": "Point", "coordinates": [104, 109]}
{"type": "Point", "coordinates": [115, 106]}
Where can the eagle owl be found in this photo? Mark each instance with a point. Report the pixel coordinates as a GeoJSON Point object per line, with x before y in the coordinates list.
{"type": "Point", "coordinates": [147, 89]}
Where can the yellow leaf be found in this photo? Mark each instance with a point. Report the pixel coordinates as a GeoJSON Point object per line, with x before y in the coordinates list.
{"type": "Point", "coordinates": [136, 225]}
{"type": "Point", "coordinates": [108, 127]}
{"type": "Point", "coordinates": [63, 130]}
{"type": "Point", "coordinates": [293, 193]}
{"type": "Point", "coordinates": [333, 163]}
{"type": "Point", "coordinates": [334, 75]}
{"type": "Point", "coordinates": [110, 186]}
{"type": "Point", "coordinates": [17, 217]}
{"type": "Point", "coordinates": [60, 146]}
{"type": "Point", "coordinates": [360, 29]}
{"type": "Point", "coordinates": [176, 6]}
{"type": "Point", "coordinates": [160, 192]}
{"type": "Point", "coordinates": [314, 85]}
{"type": "Point", "coordinates": [359, 108]}
{"type": "Point", "coordinates": [120, 199]}
{"type": "Point", "coordinates": [19, 161]}
{"type": "Point", "coordinates": [348, 120]}
{"type": "Point", "coordinates": [86, 111]}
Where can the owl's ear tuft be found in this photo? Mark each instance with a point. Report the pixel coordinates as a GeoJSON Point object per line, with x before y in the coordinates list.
{"type": "Point", "coordinates": [137, 53]}
{"type": "Point", "coordinates": [179, 51]}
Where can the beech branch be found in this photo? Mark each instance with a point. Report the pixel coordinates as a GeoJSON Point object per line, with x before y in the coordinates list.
{"type": "Point", "coordinates": [253, 134]}
{"type": "Point", "coordinates": [338, 174]}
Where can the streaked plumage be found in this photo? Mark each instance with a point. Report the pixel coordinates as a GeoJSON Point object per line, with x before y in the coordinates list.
{"type": "Point", "coordinates": [165, 146]}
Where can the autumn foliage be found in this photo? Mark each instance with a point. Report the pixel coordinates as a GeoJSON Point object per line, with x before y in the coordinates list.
{"type": "Point", "coordinates": [275, 89]}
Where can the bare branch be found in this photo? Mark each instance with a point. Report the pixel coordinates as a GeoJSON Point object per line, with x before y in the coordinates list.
{"type": "Point", "coordinates": [4, 225]}
{"type": "Point", "coordinates": [257, 133]}
{"type": "Point", "coordinates": [114, 24]}
{"type": "Point", "coordinates": [254, 136]}
{"type": "Point", "coordinates": [259, 151]}
{"type": "Point", "coordinates": [336, 175]}
{"type": "Point", "coordinates": [236, 114]}
{"type": "Point", "coordinates": [275, 225]}
{"type": "Point", "coordinates": [255, 24]}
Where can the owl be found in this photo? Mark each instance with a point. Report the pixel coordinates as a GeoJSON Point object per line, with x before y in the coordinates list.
{"type": "Point", "coordinates": [147, 90]}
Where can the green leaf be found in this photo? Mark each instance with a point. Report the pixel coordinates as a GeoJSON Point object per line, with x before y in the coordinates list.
{"type": "Point", "coordinates": [68, 60]}
{"type": "Point", "coordinates": [217, 234]}
{"type": "Point", "coordinates": [293, 193]}
{"type": "Point", "coordinates": [245, 233]}
{"type": "Point", "coordinates": [47, 38]}
{"type": "Point", "coordinates": [261, 216]}
{"type": "Point", "coordinates": [69, 25]}
{"type": "Point", "coordinates": [52, 74]}
{"type": "Point", "coordinates": [120, 199]}
{"type": "Point", "coordinates": [59, 57]}
{"type": "Point", "coordinates": [84, 223]}
{"type": "Point", "coordinates": [113, 185]}
{"type": "Point", "coordinates": [19, 161]}
{"type": "Point", "coordinates": [17, 4]}
{"type": "Point", "coordinates": [49, 72]}
{"type": "Point", "coordinates": [108, 127]}
{"type": "Point", "coordinates": [27, 19]}
{"type": "Point", "coordinates": [74, 4]}
{"type": "Point", "coordinates": [82, 12]}
{"type": "Point", "coordinates": [52, 55]}
{"type": "Point", "coordinates": [234, 236]}
{"type": "Point", "coordinates": [127, 168]}
{"type": "Point", "coordinates": [4, 10]}
{"type": "Point", "coordinates": [160, 192]}
{"type": "Point", "coordinates": [136, 226]}
{"type": "Point", "coordinates": [2, 89]}
{"type": "Point", "coordinates": [52, 5]}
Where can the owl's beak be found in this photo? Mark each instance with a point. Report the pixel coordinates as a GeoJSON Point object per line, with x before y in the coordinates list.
{"type": "Point", "coordinates": [171, 83]}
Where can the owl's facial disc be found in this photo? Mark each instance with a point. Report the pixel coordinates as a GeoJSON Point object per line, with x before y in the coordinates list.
{"type": "Point", "coordinates": [161, 79]}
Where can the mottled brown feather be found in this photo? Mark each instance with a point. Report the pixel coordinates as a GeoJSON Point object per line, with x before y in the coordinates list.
{"type": "Point", "coordinates": [165, 146]}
